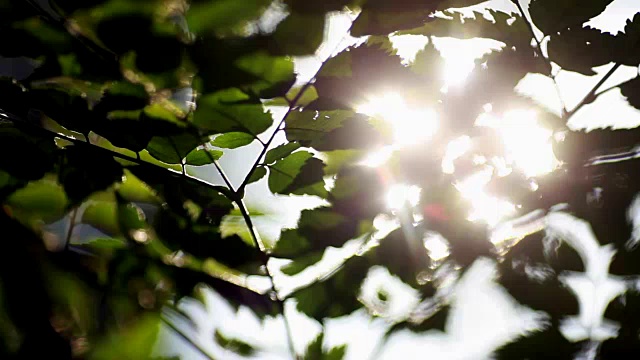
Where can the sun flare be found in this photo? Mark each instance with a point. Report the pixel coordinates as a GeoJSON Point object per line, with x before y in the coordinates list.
{"type": "Point", "coordinates": [410, 125]}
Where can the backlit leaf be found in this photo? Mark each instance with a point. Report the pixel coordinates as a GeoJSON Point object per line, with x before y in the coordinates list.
{"type": "Point", "coordinates": [200, 157]}
{"type": "Point", "coordinates": [280, 152]}
{"type": "Point", "coordinates": [232, 140]}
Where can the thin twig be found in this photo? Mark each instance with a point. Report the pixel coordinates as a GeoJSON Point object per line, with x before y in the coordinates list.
{"type": "Point", "coordinates": [292, 106]}
{"type": "Point", "coordinates": [591, 96]}
{"type": "Point", "coordinates": [245, 214]}
{"type": "Point", "coordinates": [222, 174]}
{"type": "Point", "coordinates": [265, 262]}
{"type": "Point", "coordinates": [186, 338]}
{"type": "Point", "coordinates": [72, 224]}
{"type": "Point", "coordinates": [538, 50]}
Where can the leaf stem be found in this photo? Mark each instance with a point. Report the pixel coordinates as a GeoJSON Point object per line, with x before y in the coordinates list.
{"type": "Point", "coordinates": [72, 224]}
{"type": "Point", "coordinates": [538, 50]}
{"type": "Point", "coordinates": [591, 96]}
{"type": "Point", "coordinates": [186, 338]}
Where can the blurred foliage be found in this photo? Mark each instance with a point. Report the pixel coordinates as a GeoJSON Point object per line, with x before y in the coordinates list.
{"type": "Point", "coordinates": [104, 227]}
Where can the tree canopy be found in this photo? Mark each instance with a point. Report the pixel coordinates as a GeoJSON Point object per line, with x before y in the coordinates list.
{"type": "Point", "coordinates": [115, 115]}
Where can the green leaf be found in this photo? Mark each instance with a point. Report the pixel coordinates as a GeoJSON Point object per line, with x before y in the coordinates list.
{"type": "Point", "coordinates": [310, 126]}
{"type": "Point", "coordinates": [300, 34]}
{"type": "Point", "coordinates": [105, 244]}
{"type": "Point", "coordinates": [314, 349]}
{"type": "Point", "coordinates": [290, 244]}
{"type": "Point", "coordinates": [284, 172]}
{"type": "Point", "coordinates": [552, 16]}
{"type": "Point", "coordinates": [43, 199]}
{"type": "Point", "coordinates": [233, 140]}
{"type": "Point", "coordinates": [200, 157]}
{"type": "Point", "coordinates": [222, 15]}
{"type": "Point", "coordinates": [133, 189]}
{"type": "Point", "coordinates": [336, 353]}
{"type": "Point", "coordinates": [294, 172]}
{"type": "Point", "coordinates": [275, 74]}
{"type": "Point", "coordinates": [237, 346]}
{"type": "Point", "coordinates": [280, 152]}
{"type": "Point", "coordinates": [581, 49]}
{"type": "Point", "coordinates": [103, 215]}
{"type": "Point", "coordinates": [310, 94]}
{"type": "Point", "coordinates": [258, 174]}
{"type": "Point", "coordinates": [130, 217]}
{"type": "Point", "coordinates": [299, 264]}
{"type": "Point", "coordinates": [229, 111]}
{"type": "Point", "coordinates": [136, 341]}
{"type": "Point", "coordinates": [172, 149]}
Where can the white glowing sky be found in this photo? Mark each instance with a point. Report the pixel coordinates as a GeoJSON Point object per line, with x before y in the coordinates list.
{"type": "Point", "coordinates": [478, 300]}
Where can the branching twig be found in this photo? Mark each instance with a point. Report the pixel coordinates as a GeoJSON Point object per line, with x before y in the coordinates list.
{"type": "Point", "coordinates": [245, 214]}
{"type": "Point", "coordinates": [591, 96]}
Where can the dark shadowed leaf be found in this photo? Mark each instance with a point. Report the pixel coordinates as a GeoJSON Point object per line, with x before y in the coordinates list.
{"type": "Point", "coordinates": [627, 43]}
{"type": "Point", "coordinates": [300, 34]}
{"type": "Point", "coordinates": [338, 65]}
{"type": "Point", "coordinates": [508, 28]}
{"type": "Point", "coordinates": [631, 90]}
{"type": "Point", "coordinates": [172, 149]}
{"type": "Point", "coordinates": [581, 49]}
{"type": "Point", "coordinates": [232, 140]}
{"type": "Point", "coordinates": [200, 157]}
{"type": "Point", "coordinates": [290, 244]}
{"type": "Point", "coordinates": [87, 171]}
{"type": "Point", "coordinates": [222, 15]}
{"type": "Point", "coordinates": [317, 7]}
{"type": "Point", "coordinates": [136, 341]}
{"type": "Point", "coordinates": [295, 172]}
{"type": "Point", "coordinates": [551, 16]}
{"type": "Point", "coordinates": [337, 295]}
{"type": "Point", "coordinates": [229, 111]}
{"type": "Point", "coordinates": [381, 17]}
